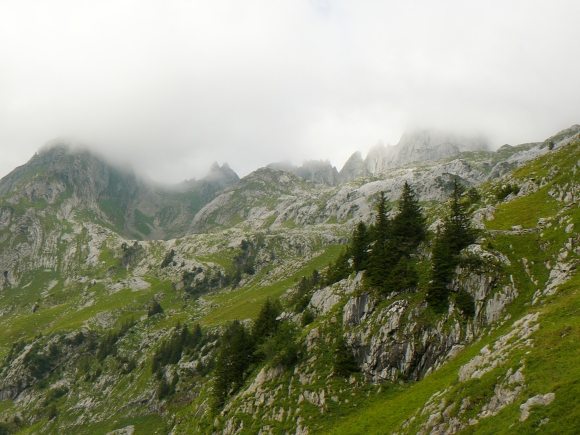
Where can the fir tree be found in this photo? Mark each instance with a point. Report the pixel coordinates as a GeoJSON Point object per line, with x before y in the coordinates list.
{"type": "Point", "coordinates": [344, 362]}
{"type": "Point", "coordinates": [455, 235]}
{"type": "Point", "coordinates": [443, 263]}
{"type": "Point", "coordinates": [457, 227]}
{"type": "Point", "coordinates": [379, 260]}
{"type": "Point", "coordinates": [359, 247]}
{"type": "Point", "coordinates": [266, 324]}
{"type": "Point", "coordinates": [340, 269]}
{"type": "Point", "coordinates": [233, 359]}
{"type": "Point", "coordinates": [408, 226]}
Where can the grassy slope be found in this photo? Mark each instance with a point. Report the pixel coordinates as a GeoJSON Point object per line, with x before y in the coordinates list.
{"type": "Point", "coordinates": [379, 413]}
{"type": "Point", "coordinates": [551, 364]}
{"type": "Point", "coordinates": [247, 301]}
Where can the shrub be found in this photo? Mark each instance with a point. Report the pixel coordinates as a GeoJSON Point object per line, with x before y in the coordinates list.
{"type": "Point", "coordinates": [307, 317]}
{"type": "Point", "coordinates": [154, 308]}
{"type": "Point", "coordinates": [168, 259]}
{"type": "Point", "coordinates": [465, 303]}
{"type": "Point", "coordinates": [344, 362]}
{"type": "Point", "coordinates": [502, 192]}
{"type": "Point", "coordinates": [282, 347]}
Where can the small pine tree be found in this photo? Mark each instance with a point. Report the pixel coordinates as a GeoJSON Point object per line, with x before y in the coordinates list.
{"type": "Point", "coordinates": [457, 227]}
{"type": "Point", "coordinates": [455, 235]}
{"type": "Point", "coordinates": [344, 362]}
{"type": "Point", "coordinates": [266, 323]}
{"type": "Point", "coordinates": [379, 260]}
{"type": "Point", "coordinates": [233, 359]}
{"type": "Point", "coordinates": [359, 247]}
{"type": "Point", "coordinates": [340, 269]}
{"type": "Point", "coordinates": [408, 226]}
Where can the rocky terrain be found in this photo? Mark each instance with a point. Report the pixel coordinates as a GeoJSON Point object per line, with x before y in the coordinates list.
{"type": "Point", "coordinates": [101, 270]}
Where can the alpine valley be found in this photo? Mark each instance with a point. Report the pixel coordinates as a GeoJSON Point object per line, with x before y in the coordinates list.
{"type": "Point", "coordinates": [430, 287]}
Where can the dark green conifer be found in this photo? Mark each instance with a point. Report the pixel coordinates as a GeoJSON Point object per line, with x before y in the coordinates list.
{"type": "Point", "coordinates": [344, 362]}
{"type": "Point", "coordinates": [408, 226]}
{"type": "Point", "coordinates": [233, 359]}
{"type": "Point", "coordinates": [379, 260]}
{"type": "Point", "coordinates": [266, 324]}
{"type": "Point", "coordinates": [359, 247]}
{"type": "Point", "coordinates": [340, 269]}
{"type": "Point", "coordinates": [455, 235]}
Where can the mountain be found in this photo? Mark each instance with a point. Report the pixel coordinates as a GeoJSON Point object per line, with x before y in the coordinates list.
{"type": "Point", "coordinates": [73, 180]}
{"type": "Point", "coordinates": [317, 171]}
{"type": "Point", "coordinates": [353, 168]}
{"type": "Point", "coordinates": [104, 332]}
{"type": "Point", "coordinates": [414, 147]}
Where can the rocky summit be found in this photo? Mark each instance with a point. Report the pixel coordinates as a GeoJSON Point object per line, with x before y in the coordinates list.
{"type": "Point", "coordinates": [430, 287]}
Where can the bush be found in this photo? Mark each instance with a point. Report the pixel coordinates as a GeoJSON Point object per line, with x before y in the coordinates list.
{"type": "Point", "coordinates": [168, 259]}
{"type": "Point", "coordinates": [344, 362]}
{"type": "Point", "coordinates": [154, 308]}
{"type": "Point", "coordinates": [307, 317]}
{"type": "Point", "coordinates": [507, 189]}
{"type": "Point", "coordinates": [282, 348]}
{"type": "Point", "coordinates": [465, 303]}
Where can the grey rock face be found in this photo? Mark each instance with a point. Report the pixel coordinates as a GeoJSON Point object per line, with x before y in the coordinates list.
{"type": "Point", "coordinates": [414, 147]}
{"type": "Point", "coordinates": [353, 168]}
{"type": "Point", "coordinates": [357, 308]}
{"type": "Point", "coordinates": [317, 171]}
{"type": "Point", "coordinates": [425, 145]}
{"type": "Point", "coordinates": [321, 172]}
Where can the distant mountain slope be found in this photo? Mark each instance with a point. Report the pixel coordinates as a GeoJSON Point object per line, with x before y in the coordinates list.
{"type": "Point", "coordinates": [317, 171]}
{"type": "Point", "coordinates": [70, 180]}
{"type": "Point", "coordinates": [417, 146]}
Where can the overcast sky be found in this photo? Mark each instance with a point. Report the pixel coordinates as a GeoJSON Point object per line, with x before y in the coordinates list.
{"type": "Point", "coordinates": [173, 85]}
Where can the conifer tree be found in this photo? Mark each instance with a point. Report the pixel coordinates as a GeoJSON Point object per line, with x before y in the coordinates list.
{"type": "Point", "coordinates": [379, 259]}
{"type": "Point", "coordinates": [233, 359]}
{"type": "Point", "coordinates": [266, 323]}
{"type": "Point", "coordinates": [344, 362]}
{"type": "Point", "coordinates": [359, 247]}
{"type": "Point", "coordinates": [408, 227]}
{"type": "Point", "coordinates": [455, 235]}
{"type": "Point", "coordinates": [457, 227]}
{"type": "Point", "coordinates": [340, 269]}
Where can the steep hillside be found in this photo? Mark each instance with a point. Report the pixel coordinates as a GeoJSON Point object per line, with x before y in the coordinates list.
{"type": "Point", "coordinates": [59, 207]}
{"type": "Point", "coordinates": [102, 332]}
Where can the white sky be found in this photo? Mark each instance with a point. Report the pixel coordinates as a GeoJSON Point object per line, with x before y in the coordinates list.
{"type": "Point", "coordinates": [173, 85]}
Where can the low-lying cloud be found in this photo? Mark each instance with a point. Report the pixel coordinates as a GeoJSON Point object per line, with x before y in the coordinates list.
{"type": "Point", "coordinates": [173, 86]}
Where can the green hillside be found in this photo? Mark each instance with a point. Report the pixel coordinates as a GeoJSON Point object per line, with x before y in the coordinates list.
{"type": "Point", "coordinates": [100, 333]}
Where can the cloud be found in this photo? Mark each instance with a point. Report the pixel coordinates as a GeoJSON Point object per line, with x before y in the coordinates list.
{"type": "Point", "coordinates": [172, 86]}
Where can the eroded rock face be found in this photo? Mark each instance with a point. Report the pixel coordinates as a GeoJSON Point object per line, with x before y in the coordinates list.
{"type": "Point", "coordinates": [392, 342]}
{"type": "Point", "coordinates": [324, 299]}
{"type": "Point", "coordinates": [357, 309]}
{"type": "Point", "coordinates": [389, 344]}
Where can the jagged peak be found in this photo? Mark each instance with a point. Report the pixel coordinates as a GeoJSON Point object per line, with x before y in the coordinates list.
{"type": "Point", "coordinates": [432, 138]}
{"type": "Point", "coordinates": [219, 173]}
